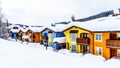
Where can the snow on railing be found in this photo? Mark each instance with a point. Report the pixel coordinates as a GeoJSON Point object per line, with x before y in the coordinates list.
{"type": "Point", "coordinates": [60, 40]}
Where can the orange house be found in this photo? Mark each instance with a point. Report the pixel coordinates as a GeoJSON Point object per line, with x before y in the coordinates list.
{"type": "Point", "coordinates": [107, 44]}
{"type": "Point", "coordinates": [34, 34]}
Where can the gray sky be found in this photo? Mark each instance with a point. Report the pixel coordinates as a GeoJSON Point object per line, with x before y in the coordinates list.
{"type": "Point", "coordinates": [42, 12]}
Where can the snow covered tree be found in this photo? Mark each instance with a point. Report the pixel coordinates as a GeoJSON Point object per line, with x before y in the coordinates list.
{"type": "Point", "coordinates": [3, 25]}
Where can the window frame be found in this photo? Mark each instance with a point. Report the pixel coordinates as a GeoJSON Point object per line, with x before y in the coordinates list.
{"type": "Point", "coordinates": [98, 53]}
{"type": "Point", "coordinates": [98, 37]}
{"type": "Point", "coordinates": [118, 52]}
{"type": "Point", "coordinates": [118, 35]}
{"type": "Point", "coordinates": [73, 38]}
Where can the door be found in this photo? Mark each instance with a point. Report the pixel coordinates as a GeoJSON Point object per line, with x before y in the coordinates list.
{"type": "Point", "coordinates": [85, 49]}
{"type": "Point", "coordinates": [113, 52]}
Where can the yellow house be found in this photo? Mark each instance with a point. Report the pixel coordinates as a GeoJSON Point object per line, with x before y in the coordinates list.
{"type": "Point", "coordinates": [79, 40]}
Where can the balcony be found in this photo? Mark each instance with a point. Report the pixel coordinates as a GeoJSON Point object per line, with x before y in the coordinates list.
{"type": "Point", "coordinates": [85, 41]}
{"type": "Point", "coordinates": [113, 43]}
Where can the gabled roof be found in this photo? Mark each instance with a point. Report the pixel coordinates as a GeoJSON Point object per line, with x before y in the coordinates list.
{"type": "Point", "coordinates": [46, 29]}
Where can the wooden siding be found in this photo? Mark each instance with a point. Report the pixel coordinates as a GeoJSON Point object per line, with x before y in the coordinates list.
{"type": "Point", "coordinates": [83, 41]}
{"type": "Point", "coordinates": [113, 43]}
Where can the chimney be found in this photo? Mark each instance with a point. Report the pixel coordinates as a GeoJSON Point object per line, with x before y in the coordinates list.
{"type": "Point", "coordinates": [73, 18]}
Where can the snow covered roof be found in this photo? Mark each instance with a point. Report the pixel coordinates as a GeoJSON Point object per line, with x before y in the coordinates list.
{"type": "Point", "coordinates": [24, 30]}
{"type": "Point", "coordinates": [36, 29]}
{"type": "Point", "coordinates": [116, 11]}
{"type": "Point", "coordinates": [60, 40]}
{"type": "Point", "coordinates": [107, 24]}
{"type": "Point", "coordinates": [15, 30]}
{"type": "Point", "coordinates": [57, 28]}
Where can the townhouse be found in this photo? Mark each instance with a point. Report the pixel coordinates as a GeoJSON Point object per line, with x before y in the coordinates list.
{"type": "Point", "coordinates": [99, 37]}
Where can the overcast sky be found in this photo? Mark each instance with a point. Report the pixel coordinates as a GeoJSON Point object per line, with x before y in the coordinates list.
{"type": "Point", "coordinates": [42, 12]}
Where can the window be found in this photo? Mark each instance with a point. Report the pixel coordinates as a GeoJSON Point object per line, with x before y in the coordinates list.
{"type": "Point", "coordinates": [50, 35]}
{"type": "Point", "coordinates": [84, 49]}
{"type": "Point", "coordinates": [98, 50]}
{"type": "Point", "coordinates": [118, 52]}
{"type": "Point", "coordinates": [73, 37]}
{"type": "Point", "coordinates": [98, 37]}
{"type": "Point", "coordinates": [85, 35]}
{"type": "Point", "coordinates": [118, 36]}
{"type": "Point", "coordinates": [73, 48]}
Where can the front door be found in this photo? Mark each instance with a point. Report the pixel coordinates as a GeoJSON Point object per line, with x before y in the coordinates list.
{"type": "Point", "coordinates": [113, 52]}
{"type": "Point", "coordinates": [85, 49]}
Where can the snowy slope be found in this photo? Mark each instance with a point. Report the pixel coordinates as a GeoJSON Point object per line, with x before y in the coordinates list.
{"type": "Point", "coordinates": [18, 55]}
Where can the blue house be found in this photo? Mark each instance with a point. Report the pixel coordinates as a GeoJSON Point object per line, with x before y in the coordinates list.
{"type": "Point", "coordinates": [54, 37]}
{"type": "Point", "coordinates": [13, 31]}
{"type": "Point", "coordinates": [58, 40]}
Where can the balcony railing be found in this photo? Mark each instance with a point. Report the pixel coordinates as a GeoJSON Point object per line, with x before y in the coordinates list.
{"type": "Point", "coordinates": [83, 41]}
{"type": "Point", "coordinates": [113, 43]}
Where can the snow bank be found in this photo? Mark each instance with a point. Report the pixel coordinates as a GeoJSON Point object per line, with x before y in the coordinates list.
{"type": "Point", "coordinates": [32, 55]}
{"type": "Point", "coordinates": [91, 57]}
{"type": "Point", "coordinates": [69, 53]}
{"type": "Point", "coordinates": [112, 63]}
{"type": "Point", "coordinates": [60, 39]}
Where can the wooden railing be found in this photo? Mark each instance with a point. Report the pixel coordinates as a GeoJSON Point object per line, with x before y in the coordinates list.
{"type": "Point", "coordinates": [113, 43]}
{"type": "Point", "coordinates": [83, 41]}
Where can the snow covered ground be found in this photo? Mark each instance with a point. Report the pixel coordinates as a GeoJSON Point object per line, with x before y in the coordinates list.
{"type": "Point", "coordinates": [33, 55]}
